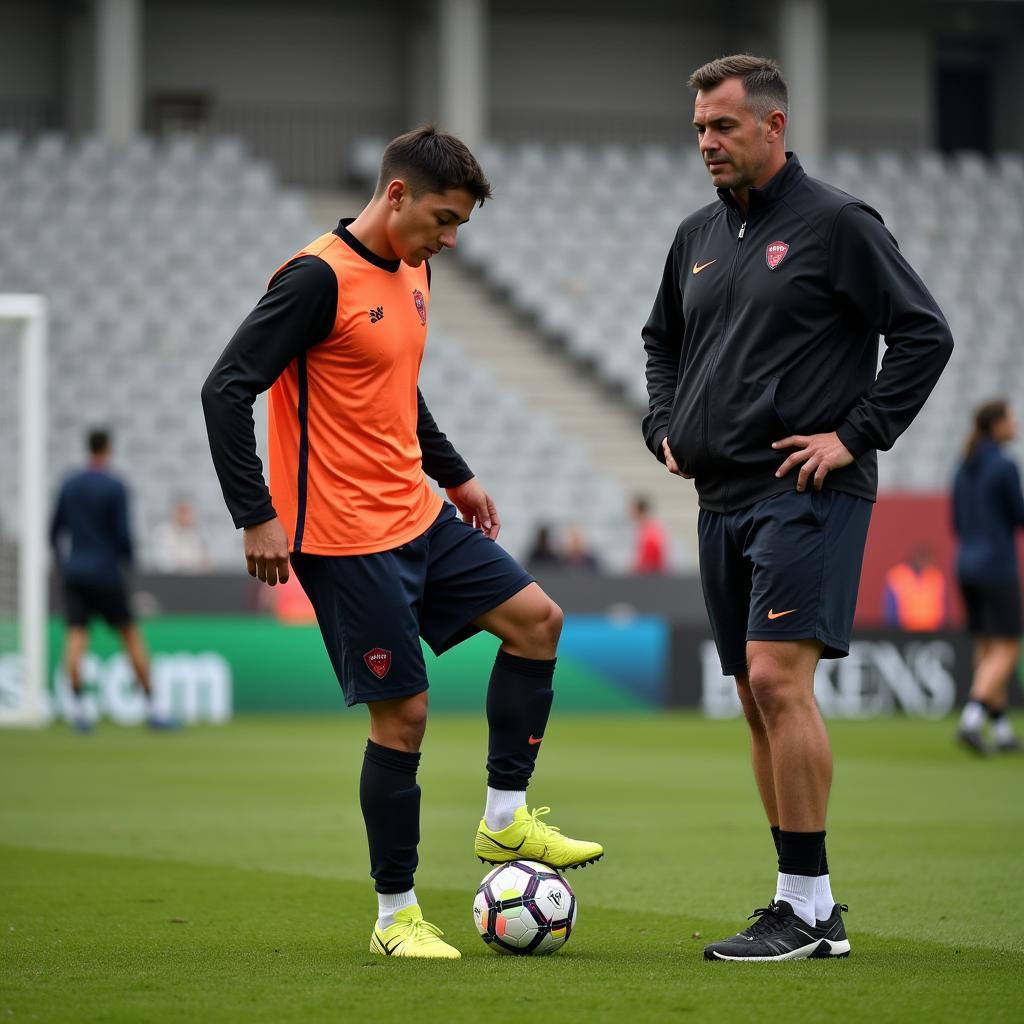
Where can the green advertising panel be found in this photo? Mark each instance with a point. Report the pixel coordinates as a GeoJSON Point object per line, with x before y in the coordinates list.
{"type": "Point", "coordinates": [207, 667]}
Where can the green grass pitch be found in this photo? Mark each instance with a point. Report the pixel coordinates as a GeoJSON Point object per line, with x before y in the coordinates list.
{"type": "Point", "coordinates": [219, 874]}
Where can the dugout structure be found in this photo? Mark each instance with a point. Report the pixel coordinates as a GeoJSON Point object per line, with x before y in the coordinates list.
{"type": "Point", "coordinates": [23, 511]}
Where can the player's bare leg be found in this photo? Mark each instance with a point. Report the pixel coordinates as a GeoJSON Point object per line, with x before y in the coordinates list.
{"type": "Point", "coordinates": [400, 723]}
{"type": "Point", "coordinates": [76, 643]}
{"type": "Point", "coordinates": [995, 659]}
{"type": "Point", "coordinates": [781, 678]}
{"type": "Point", "coordinates": [135, 648]}
{"type": "Point", "coordinates": [519, 698]}
{"type": "Point", "coordinates": [760, 750]}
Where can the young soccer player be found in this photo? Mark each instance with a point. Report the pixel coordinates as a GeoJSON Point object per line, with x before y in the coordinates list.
{"type": "Point", "coordinates": [338, 339]}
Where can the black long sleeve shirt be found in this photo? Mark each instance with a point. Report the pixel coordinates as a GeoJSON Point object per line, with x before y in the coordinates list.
{"type": "Point", "coordinates": [297, 312]}
{"type": "Point", "coordinates": [767, 324]}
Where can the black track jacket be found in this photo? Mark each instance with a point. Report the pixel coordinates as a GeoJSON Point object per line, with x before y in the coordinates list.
{"type": "Point", "coordinates": [769, 327]}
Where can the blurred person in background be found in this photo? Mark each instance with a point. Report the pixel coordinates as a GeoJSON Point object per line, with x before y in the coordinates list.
{"type": "Point", "coordinates": [764, 338]}
{"type": "Point", "coordinates": [338, 339]}
{"type": "Point", "coordinates": [651, 552]}
{"type": "Point", "coordinates": [93, 547]}
{"type": "Point", "coordinates": [543, 553]}
{"type": "Point", "coordinates": [577, 553]}
{"type": "Point", "coordinates": [988, 510]}
{"type": "Point", "coordinates": [915, 597]}
{"type": "Point", "coordinates": [177, 543]}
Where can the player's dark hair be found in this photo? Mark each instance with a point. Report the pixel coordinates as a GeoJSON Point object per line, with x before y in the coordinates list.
{"type": "Point", "coordinates": [430, 160]}
{"type": "Point", "coordinates": [641, 504]}
{"type": "Point", "coordinates": [98, 442]}
{"type": "Point", "coordinates": [762, 81]}
{"type": "Point", "coordinates": [986, 417]}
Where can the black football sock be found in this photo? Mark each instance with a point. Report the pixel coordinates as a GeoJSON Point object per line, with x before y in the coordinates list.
{"type": "Point", "coordinates": [519, 699]}
{"type": "Point", "coordinates": [800, 853]}
{"type": "Point", "coordinates": [390, 799]}
{"type": "Point", "coordinates": [823, 898]}
{"type": "Point", "coordinates": [775, 839]}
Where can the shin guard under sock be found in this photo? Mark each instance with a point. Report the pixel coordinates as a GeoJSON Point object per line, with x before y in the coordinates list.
{"type": "Point", "coordinates": [390, 800]}
{"type": "Point", "coordinates": [519, 699]}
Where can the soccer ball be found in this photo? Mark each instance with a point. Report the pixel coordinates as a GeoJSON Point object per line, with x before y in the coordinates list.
{"type": "Point", "coordinates": [525, 908]}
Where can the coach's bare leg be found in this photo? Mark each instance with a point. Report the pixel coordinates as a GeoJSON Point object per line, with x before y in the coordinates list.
{"type": "Point", "coordinates": [528, 624]}
{"type": "Point", "coordinates": [135, 646]}
{"type": "Point", "coordinates": [781, 679]}
{"type": "Point", "coordinates": [399, 723]}
{"type": "Point", "coordinates": [993, 671]}
{"type": "Point", "coordinates": [76, 643]}
{"type": "Point", "coordinates": [760, 749]}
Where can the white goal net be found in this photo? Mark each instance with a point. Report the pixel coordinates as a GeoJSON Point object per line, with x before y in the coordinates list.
{"type": "Point", "coordinates": [23, 510]}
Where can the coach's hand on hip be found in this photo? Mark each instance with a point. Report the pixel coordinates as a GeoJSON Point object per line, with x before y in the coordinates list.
{"type": "Point", "coordinates": [670, 461]}
{"type": "Point", "coordinates": [819, 453]}
{"type": "Point", "coordinates": [476, 506]}
{"type": "Point", "coordinates": [266, 551]}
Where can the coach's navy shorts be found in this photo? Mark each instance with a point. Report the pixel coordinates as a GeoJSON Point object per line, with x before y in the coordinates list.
{"type": "Point", "coordinates": [373, 609]}
{"type": "Point", "coordinates": [786, 568]}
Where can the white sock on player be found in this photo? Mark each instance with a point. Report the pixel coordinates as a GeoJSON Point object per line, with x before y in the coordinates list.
{"type": "Point", "coordinates": [388, 903]}
{"type": "Point", "coordinates": [823, 901]}
{"type": "Point", "coordinates": [972, 718]}
{"type": "Point", "coordinates": [501, 807]}
{"type": "Point", "coordinates": [1002, 730]}
{"type": "Point", "coordinates": [798, 892]}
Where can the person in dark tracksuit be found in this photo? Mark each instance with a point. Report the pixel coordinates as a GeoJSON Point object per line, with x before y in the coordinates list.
{"type": "Point", "coordinates": [93, 546]}
{"type": "Point", "coordinates": [988, 510]}
{"type": "Point", "coordinates": [762, 351]}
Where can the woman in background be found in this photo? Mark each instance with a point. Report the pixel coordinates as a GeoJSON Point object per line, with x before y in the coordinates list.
{"type": "Point", "coordinates": [988, 509]}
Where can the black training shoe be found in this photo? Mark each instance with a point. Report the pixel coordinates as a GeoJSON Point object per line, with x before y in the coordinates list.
{"type": "Point", "coordinates": [1011, 745]}
{"type": "Point", "coordinates": [779, 934]}
{"type": "Point", "coordinates": [833, 935]}
{"type": "Point", "coordinates": [971, 738]}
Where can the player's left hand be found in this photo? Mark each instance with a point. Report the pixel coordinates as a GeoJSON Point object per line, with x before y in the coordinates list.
{"type": "Point", "coordinates": [476, 506]}
{"type": "Point", "coordinates": [819, 453]}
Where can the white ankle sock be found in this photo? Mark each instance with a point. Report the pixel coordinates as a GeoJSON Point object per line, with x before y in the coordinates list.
{"type": "Point", "coordinates": [501, 807]}
{"type": "Point", "coordinates": [972, 718]}
{"type": "Point", "coordinates": [823, 901]}
{"type": "Point", "coordinates": [1002, 730]}
{"type": "Point", "coordinates": [390, 902]}
{"type": "Point", "coordinates": [798, 892]}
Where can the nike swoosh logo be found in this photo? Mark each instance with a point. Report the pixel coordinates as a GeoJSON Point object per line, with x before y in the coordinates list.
{"type": "Point", "coordinates": [698, 267]}
{"type": "Point", "coordinates": [532, 741]}
{"type": "Point", "coordinates": [495, 842]}
{"type": "Point", "coordinates": [778, 615]}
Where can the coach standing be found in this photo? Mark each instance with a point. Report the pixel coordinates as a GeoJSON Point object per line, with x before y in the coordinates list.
{"type": "Point", "coordinates": [762, 351]}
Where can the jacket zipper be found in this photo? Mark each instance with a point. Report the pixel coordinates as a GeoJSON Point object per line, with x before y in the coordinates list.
{"type": "Point", "coordinates": [725, 329]}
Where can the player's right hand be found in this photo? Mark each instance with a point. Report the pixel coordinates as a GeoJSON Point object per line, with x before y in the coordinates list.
{"type": "Point", "coordinates": [670, 462]}
{"type": "Point", "coordinates": [266, 551]}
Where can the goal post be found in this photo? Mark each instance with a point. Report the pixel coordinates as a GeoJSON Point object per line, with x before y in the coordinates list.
{"type": "Point", "coordinates": [23, 665]}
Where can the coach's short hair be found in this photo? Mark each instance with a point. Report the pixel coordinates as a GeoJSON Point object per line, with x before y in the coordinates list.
{"type": "Point", "coordinates": [430, 160]}
{"type": "Point", "coordinates": [762, 81]}
{"type": "Point", "coordinates": [98, 441]}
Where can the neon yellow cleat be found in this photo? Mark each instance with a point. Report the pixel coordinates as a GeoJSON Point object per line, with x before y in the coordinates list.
{"type": "Point", "coordinates": [529, 838]}
{"type": "Point", "coordinates": [410, 935]}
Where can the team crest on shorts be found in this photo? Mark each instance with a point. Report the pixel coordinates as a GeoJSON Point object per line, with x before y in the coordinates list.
{"type": "Point", "coordinates": [775, 253]}
{"type": "Point", "coordinates": [421, 306]}
{"type": "Point", "coordinates": [378, 661]}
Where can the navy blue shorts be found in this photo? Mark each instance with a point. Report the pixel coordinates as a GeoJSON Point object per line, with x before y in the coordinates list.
{"type": "Point", "coordinates": [786, 568]}
{"type": "Point", "coordinates": [83, 603]}
{"type": "Point", "coordinates": [373, 609]}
